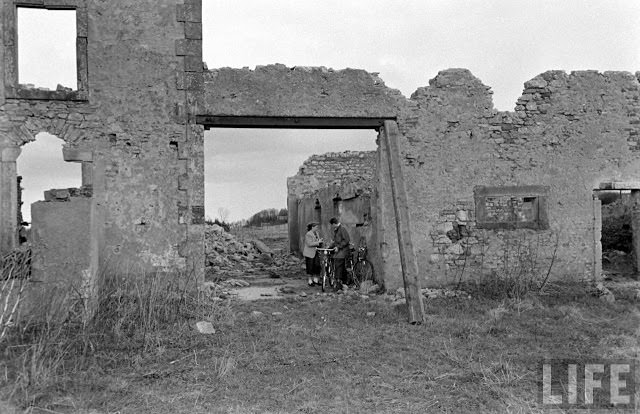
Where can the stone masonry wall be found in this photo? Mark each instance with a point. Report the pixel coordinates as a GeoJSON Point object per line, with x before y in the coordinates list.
{"type": "Point", "coordinates": [568, 132]}
{"type": "Point", "coordinates": [135, 126]}
{"type": "Point", "coordinates": [319, 170]}
{"type": "Point", "coordinates": [322, 178]}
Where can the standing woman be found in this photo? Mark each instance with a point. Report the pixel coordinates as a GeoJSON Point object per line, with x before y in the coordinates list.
{"type": "Point", "coordinates": [311, 241]}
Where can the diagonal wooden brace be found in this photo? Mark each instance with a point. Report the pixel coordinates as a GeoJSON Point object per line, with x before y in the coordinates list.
{"type": "Point", "coordinates": [390, 136]}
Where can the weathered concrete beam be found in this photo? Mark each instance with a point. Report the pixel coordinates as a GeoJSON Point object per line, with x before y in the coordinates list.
{"type": "Point", "coordinates": [620, 185]}
{"type": "Point", "coordinates": [76, 155]}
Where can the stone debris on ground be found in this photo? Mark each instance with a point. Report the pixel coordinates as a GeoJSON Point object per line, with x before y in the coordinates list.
{"type": "Point", "coordinates": [444, 293]}
{"type": "Point", "coordinates": [603, 293]}
{"type": "Point", "coordinates": [432, 293]}
{"type": "Point", "coordinates": [205, 328]}
{"type": "Point", "coordinates": [227, 256]}
{"type": "Point", "coordinates": [368, 287]}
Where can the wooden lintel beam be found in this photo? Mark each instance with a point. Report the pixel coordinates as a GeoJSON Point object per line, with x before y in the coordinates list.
{"type": "Point", "coordinates": [390, 136]}
{"type": "Point", "coordinates": [215, 121]}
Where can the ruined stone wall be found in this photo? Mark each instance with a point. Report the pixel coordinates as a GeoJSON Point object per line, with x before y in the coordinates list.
{"type": "Point", "coordinates": [321, 181]}
{"type": "Point", "coordinates": [60, 232]}
{"type": "Point", "coordinates": [320, 170]}
{"type": "Point", "coordinates": [134, 123]}
{"type": "Point", "coordinates": [569, 132]}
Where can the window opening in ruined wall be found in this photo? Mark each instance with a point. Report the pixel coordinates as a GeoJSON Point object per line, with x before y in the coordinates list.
{"type": "Point", "coordinates": [45, 176]}
{"type": "Point", "coordinates": [511, 207]}
{"type": "Point", "coordinates": [47, 48]}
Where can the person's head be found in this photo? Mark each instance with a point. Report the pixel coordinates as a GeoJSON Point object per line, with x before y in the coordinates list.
{"type": "Point", "coordinates": [334, 222]}
{"type": "Point", "coordinates": [312, 226]}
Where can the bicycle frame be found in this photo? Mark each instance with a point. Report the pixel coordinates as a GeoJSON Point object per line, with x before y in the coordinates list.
{"type": "Point", "coordinates": [326, 267]}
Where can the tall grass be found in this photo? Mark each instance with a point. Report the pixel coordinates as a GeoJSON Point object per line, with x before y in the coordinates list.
{"type": "Point", "coordinates": [53, 341]}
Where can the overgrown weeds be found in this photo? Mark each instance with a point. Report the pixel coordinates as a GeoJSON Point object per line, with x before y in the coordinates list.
{"type": "Point", "coordinates": [521, 271]}
{"type": "Point", "coordinates": [45, 347]}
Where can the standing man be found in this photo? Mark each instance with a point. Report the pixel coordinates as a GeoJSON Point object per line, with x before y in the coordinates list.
{"type": "Point", "coordinates": [341, 244]}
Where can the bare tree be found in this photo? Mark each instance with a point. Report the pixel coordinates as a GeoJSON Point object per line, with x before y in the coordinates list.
{"type": "Point", "coordinates": [223, 214]}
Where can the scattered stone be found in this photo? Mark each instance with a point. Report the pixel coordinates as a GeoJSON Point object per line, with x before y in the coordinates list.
{"type": "Point", "coordinates": [399, 302]}
{"type": "Point", "coordinates": [256, 314]}
{"type": "Point", "coordinates": [608, 297]}
{"type": "Point", "coordinates": [276, 313]}
{"type": "Point", "coordinates": [303, 294]}
{"type": "Point", "coordinates": [604, 294]}
{"type": "Point", "coordinates": [364, 297]}
{"type": "Point", "coordinates": [205, 328]}
{"type": "Point", "coordinates": [431, 293]}
{"type": "Point", "coordinates": [368, 287]}
{"type": "Point", "coordinates": [262, 248]}
{"type": "Point", "coordinates": [287, 290]}
{"type": "Point", "coordinates": [371, 314]}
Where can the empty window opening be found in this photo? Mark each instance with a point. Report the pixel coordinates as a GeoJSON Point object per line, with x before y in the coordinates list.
{"type": "Point", "coordinates": [511, 207]}
{"type": "Point", "coordinates": [617, 233]}
{"type": "Point", "coordinates": [47, 48]}
{"type": "Point", "coordinates": [43, 169]}
{"type": "Point", "coordinates": [271, 180]}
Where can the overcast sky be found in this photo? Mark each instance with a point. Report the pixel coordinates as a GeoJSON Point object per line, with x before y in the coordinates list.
{"type": "Point", "coordinates": [503, 42]}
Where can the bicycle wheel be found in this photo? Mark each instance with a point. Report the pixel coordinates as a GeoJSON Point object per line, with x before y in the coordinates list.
{"type": "Point", "coordinates": [362, 271]}
{"type": "Point", "coordinates": [332, 278]}
{"type": "Point", "coordinates": [324, 278]}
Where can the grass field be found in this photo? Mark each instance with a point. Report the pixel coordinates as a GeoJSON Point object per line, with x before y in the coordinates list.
{"type": "Point", "coordinates": [314, 354]}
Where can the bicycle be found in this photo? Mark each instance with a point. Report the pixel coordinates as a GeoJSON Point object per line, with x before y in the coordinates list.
{"type": "Point", "coordinates": [362, 270]}
{"type": "Point", "coordinates": [326, 268]}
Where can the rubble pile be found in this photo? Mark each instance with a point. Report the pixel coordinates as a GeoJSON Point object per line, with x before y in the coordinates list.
{"type": "Point", "coordinates": [228, 256]}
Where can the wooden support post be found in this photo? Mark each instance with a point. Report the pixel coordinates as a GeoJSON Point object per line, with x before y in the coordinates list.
{"type": "Point", "coordinates": [390, 136]}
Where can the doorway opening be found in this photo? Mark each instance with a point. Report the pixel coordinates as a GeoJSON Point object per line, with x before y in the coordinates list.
{"type": "Point", "coordinates": [55, 211]}
{"type": "Point", "coordinates": [273, 182]}
{"type": "Point", "coordinates": [618, 233]}
{"type": "Point", "coordinates": [35, 165]}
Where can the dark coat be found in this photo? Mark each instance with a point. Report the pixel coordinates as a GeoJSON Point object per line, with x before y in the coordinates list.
{"type": "Point", "coordinates": [341, 241]}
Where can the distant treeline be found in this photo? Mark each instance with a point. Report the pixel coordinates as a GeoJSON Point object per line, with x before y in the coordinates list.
{"type": "Point", "coordinates": [268, 217]}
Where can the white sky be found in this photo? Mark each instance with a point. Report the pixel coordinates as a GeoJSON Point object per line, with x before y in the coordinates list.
{"type": "Point", "coordinates": [503, 42]}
